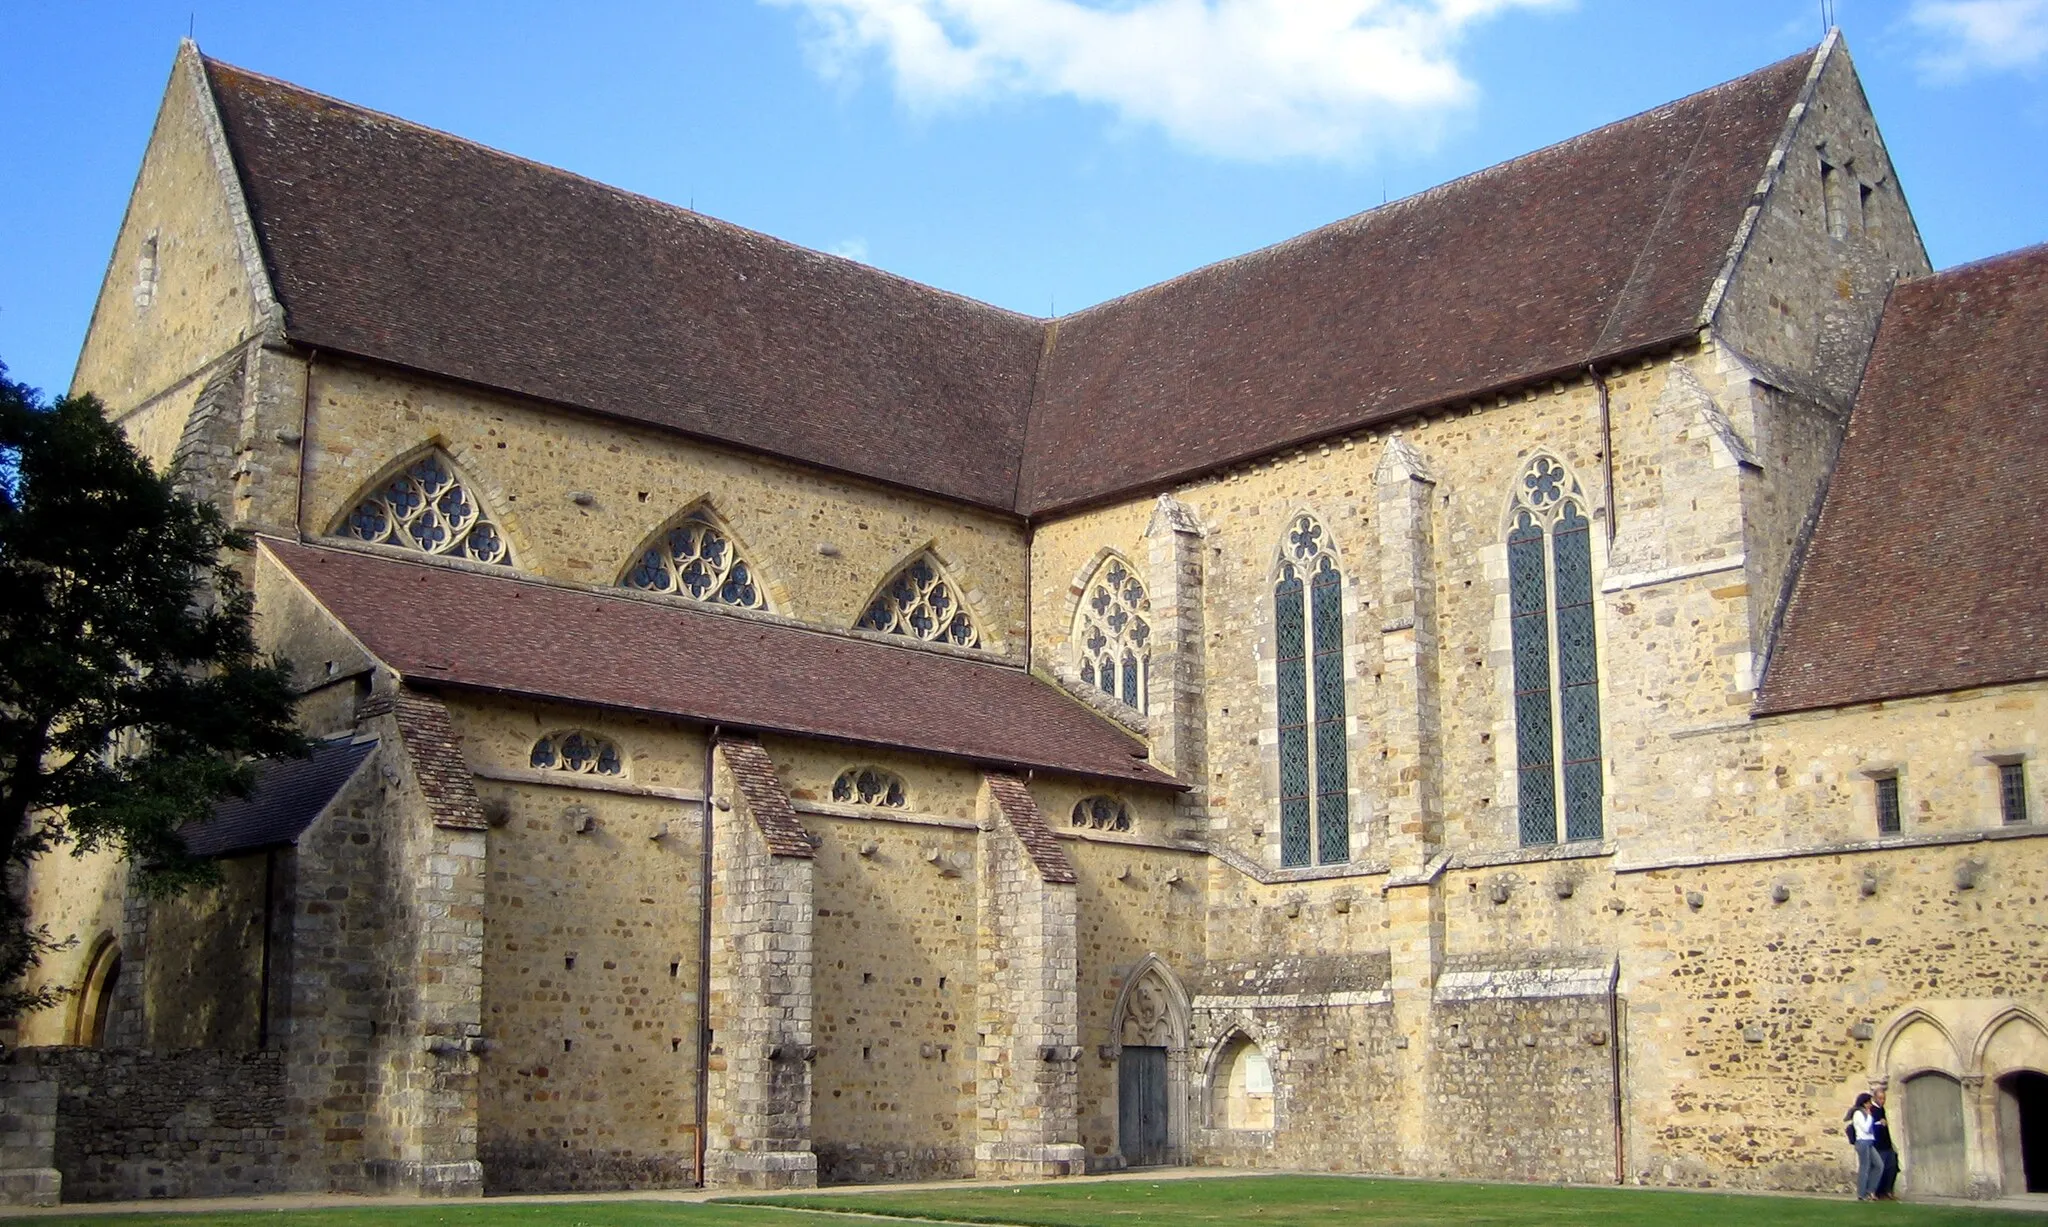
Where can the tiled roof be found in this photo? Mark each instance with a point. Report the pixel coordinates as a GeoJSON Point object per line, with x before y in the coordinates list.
{"type": "Point", "coordinates": [440, 625]}
{"type": "Point", "coordinates": [1926, 571]}
{"type": "Point", "coordinates": [435, 751]}
{"type": "Point", "coordinates": [396, 243]}
{"type": "Point", "coordinates": [289, 794]}
{"type": "Point", "coordinates": [1021, 811]}
{"type": "Point", "coordinates": [767, 802]}
{"type": "Point", "coordinates": [1606, 244]}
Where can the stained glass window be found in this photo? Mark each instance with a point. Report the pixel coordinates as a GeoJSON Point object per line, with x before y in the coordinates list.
{"type": "Point", "coordinates": [1102, 814]}
{"type": "Point", "coordinates": [869, 786]}
{"type": "Point", "coordinates": [1556, 657]}
{"type": "Point", "coordinates": [919, 601]}
{"type": "Point", "coordinates": [1308, 621]}
{"type": "Point", "coordinates": [1113, 633]}
{"type": "Point", "coordinates": [697, 558]}
{"type": "Point", "coordinates": [427, 507]}
{"type": "Point", "coordinates": [578, 753]}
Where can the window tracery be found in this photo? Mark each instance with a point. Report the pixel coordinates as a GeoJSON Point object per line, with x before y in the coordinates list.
{"type": "Point", "coordinates": [696, 558]}
{"type": "Point", "coordinates": [919, 601]}
{"type": "Point", "coordinates": [427, 507]}
{"type": "Point", "coordinates": [1308, 618]}
{"type": "Point", "coordinates": [1102, 814]}
{"type": "Point", "coordinates": [1113, 634]}
{"type": "Point", "coordinates": [578, 753]}
{"type": "Point", "coordinates": [1556, 658]}
{"type": "Point", "coordinates": [869, 786]}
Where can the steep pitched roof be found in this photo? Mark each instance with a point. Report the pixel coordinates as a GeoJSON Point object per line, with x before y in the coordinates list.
{"type": "Point", "coordinates": [289, 794]}
{"type": "Point", "coordinates": [1926, 571]}
{"type": "Point", "coordinates": [1603, 245]}
{"type": "Point", "coordinates": [393, 242]}
{"type": "Point", "coordinates": [443, 626]}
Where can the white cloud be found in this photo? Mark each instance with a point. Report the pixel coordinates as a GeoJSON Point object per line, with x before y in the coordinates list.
{"type": "Point", "coordinates": [853, 249]}
{"type": "Point", "coordinates": [1972, 36]}
{"type": "Point", "coordinates": [1255, 79]}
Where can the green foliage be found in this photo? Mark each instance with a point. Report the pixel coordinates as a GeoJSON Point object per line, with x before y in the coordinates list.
{"type": "Point", "coordinates": [132, 696]}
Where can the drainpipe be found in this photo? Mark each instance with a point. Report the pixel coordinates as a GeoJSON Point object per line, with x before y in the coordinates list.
{"type": "Point", "coordinates": [1614, 1066]}
{"type": "Point", "coordinates": [704, 962]}
{"type": "Point", "coordinates": [1606, 445]}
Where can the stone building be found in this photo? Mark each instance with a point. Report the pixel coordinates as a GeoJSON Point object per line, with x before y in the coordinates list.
{"type": "Point", "coordinates": [1540, 679]}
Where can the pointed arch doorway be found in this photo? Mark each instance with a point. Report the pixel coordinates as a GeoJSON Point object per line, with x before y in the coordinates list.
{"type": "Point", "coordinates": [1151, 1029]}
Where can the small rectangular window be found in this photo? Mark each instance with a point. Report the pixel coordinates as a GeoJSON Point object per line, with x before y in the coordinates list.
{"type": "Point", "coordinates": [2012, 792]}
{"type": "Point", "coordinates": [1888, 822]}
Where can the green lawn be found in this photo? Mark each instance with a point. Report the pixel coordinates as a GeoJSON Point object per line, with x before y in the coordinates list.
{"type": "Point", "coordinates": [1244, 1201]}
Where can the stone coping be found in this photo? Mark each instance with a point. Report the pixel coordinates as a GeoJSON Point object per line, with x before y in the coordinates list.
{"type": "Point", "coordinates": [2031, 830]}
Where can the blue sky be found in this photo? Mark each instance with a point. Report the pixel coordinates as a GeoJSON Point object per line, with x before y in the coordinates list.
{"type": "Point", "coordinates": [1038, 154]}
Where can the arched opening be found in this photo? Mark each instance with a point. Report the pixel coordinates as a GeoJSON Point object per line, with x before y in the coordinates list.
{"type": "Point", "coordinates": [1152, 1061]}
{"type": "Point", "coordinates": [1932, 1151]}
{"type": "Point", "coordinates": [1241, 1091]}
{"type": "Point", "coordinates": [96, 995]}
{"type": "Point", "coordinates": [2023, 1131]}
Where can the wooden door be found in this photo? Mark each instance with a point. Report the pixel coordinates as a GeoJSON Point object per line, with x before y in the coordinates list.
{"type": "Point", "coordinates": [1141, 1106]}
{"type": "Point", "coordinates": [1931, 1159]}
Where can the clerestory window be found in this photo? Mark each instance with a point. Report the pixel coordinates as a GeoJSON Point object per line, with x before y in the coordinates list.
{"type": "Point", "coordinates": [869, 786]}
{"type": "Point", "coordinates": [919, 601]}
{"type": "Point", "coordinates": [696, 558]}
{"type": "Point", "coordinates": [577, 753]}
{"type": "Point", "coordinates": [427, 506]}
{"type": "Point", "coordinates": [1102, 814]}
{"type": "Point", "coordinates": [1308, 618]}
{"type": "Point", "coordinates": [1113, 633]}
{"type": "Point", "coordinates": [1556, 660]}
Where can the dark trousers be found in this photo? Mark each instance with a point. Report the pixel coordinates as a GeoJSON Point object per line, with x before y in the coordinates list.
{"type": "Point", "coordinates": [1890, 1175]}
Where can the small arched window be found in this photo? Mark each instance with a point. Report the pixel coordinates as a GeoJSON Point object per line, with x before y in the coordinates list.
{"type": "Point", "coordinates": [696, 558]}
{"type": "Point", "coordinates": [1113, 633]}
{"type": "Point", "coordinates": [426, 506]}
{"type": "Point", "coordinates": [869, 786]}
{"type": "Point", "coordinates": [1102, 814]}
{"type": "Point", "coordinates": [1308, 620]}
{"type": "Point", "coordinates": [578, 753]}
{"type": "Point", "coordinates": [919, 601]}
{"type": "Point", "coordinates": [1556, 660]}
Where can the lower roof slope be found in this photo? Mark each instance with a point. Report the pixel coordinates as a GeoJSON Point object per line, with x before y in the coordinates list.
{"type": "Point", "coordinates": [1928, 568]}
{"type": "Point", "coordinates": [440, 625]}
{"type": "Point", "coordinates": [287, 796]}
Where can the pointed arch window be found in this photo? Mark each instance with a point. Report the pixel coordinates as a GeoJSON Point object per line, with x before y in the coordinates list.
{"type": "Point", "coordinates": [427, 506]}
{"type": "Point", "coordinates": [1308, 617]}
{"type": "Point", "coordinates": [1113, 633]}
{"type": "Point", "coordinates": [919, 601]}
{"type": "Point", "coordinates": [696, 558]}
{"type": "Point", "coordinates": [1556, 659]}
{"type": "Point", "coordinates": [869, 786]}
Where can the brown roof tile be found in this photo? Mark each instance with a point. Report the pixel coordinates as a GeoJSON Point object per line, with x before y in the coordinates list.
{"type": "Point", "coordinates": [766, 800]}
{"type": "Point", "coordinates": [1021, 811]}
{"type": "Point", "coordinates": [447, 626]}
{"type": "Point", "coordinates": [435, 751]}
{"type": "Point", "coordinates": [1927, 570]}
{"type": "Point", "coordinates": [1606, 244]}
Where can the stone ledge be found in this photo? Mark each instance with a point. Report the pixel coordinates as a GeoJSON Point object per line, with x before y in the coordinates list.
{"type": "Point", "coordinates": [2032, 830]}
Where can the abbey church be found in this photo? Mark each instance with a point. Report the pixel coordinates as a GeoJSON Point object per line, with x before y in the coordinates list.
{"type": "Point", "coordinates": [1543, 679]}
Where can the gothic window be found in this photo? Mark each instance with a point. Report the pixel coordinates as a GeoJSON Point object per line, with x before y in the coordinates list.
{"type": "Point", "coordinates": [696, 558]}
{"type": "Point", "coordinates": [578, 753]}
{"type": "Point", "coordinates": [869, 786]}
{"type": "Point", "coordinates": [1556, 665]}
{"type": "Point", "coordinates": [426, 506]}
{"type": "Point", "coordinates": [1102, 814]}
{"type": "Point", "coordinates": [919, 601]}
{"type": "Point", "coordinates": [1113, 633]}
{"type": "Point", "coordinates": [1308, 617]}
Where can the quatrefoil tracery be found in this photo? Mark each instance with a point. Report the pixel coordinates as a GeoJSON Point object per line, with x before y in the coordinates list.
{"type": "Point", "coordinates": [426, 507]}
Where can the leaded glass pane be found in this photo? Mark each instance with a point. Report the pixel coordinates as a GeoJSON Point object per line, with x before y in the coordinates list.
{"type": "Point", "coordinates": [1333, 810]}
{"type": "Point", "coordinates": [696, 559]}
{"type": "Point", "coordinates": [578, 752]}
{"type": "Point", "coordinates": [1579, 673]}
{"type": "Point", "coordinates": [427, 508]}
{"type": "Point", "coordinates": [2012, 792]}
{"type": "Point", "coordinates": [1889, 819]}
{"type": "Point", "coordinates": [1113, 634]}
{"type": "Point", "coordinates": [1528, 599]}
{"type": "Point", "coordinates": [1292, 662]}
{"type": "Point", "coordinates": [1294, 846]}
{"type": "Point", "coordinates": [919, 602]}
{"type": "Point", "coordinates": [869, 786]}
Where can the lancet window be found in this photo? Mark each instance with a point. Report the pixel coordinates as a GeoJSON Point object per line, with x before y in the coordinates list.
{"type": "Point", "coordinates": [427, 506]}
{"type": "Point", "coordinates": [1102, 814]}
{"type": "Point", "coordinates": [1308, 617]}
{"type": "Point", "coordinates": [696, 558]}
{"type": "Point", "coordinates": [1113, 633]}
{"type": "Point", "coordinates": [1556, 660]}
{"type": "Point", "coordinates": [869, 786]}
{"type": "Point", "coordinates": [577, 753]}
{"type": "Point", "coordinates": [919, 601]}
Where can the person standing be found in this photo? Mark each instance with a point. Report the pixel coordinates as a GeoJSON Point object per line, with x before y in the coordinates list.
{"type": "Point", "coordinates": [1887, 1152]}
{"type": "Point", "coordinates": [1863, 1132]}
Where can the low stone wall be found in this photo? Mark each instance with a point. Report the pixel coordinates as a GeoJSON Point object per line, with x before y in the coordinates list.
{"type": "Point", "coordinates": [126, 1123]}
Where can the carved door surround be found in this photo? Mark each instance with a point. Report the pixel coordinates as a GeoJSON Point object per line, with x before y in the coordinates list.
{"type": "Point", "coordinates": [1152, 1012]}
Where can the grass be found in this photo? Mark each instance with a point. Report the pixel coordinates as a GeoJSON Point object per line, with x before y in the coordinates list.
{"type": "Point", "coordinates": [1241, 1201]}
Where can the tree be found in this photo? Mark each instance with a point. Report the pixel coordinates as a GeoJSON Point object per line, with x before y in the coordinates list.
{"type": "Point", "coordinates": [132, 696]}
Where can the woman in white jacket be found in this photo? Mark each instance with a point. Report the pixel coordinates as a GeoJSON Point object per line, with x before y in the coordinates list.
{"type": "Point", "coordinates": [1869, 1164]}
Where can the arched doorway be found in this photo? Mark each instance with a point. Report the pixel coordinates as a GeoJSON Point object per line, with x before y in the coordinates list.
{"type": "Point", "coordinates": [95, 1001]}
{"type": "Point", "coordinates": [2023, 1131]}
{"type": "Point", "coordinates": [1935, 1159]}
{"type": "Point", "coordinates": [1241, 1089]}
{"type": "Point", "coordinates": [1151, 1073]}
